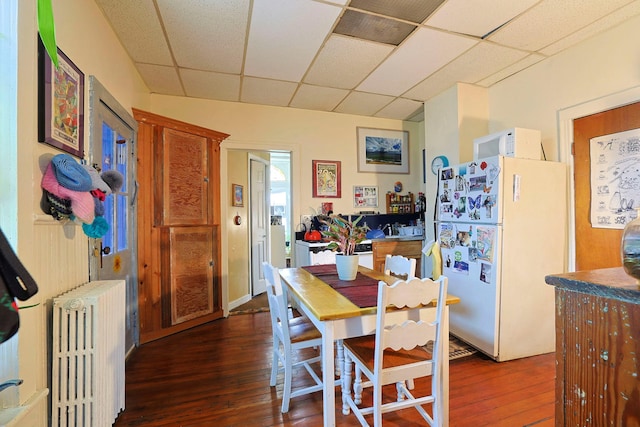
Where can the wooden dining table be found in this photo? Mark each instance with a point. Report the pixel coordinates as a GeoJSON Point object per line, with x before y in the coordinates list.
{"type": "Point", "coordinates": [339, 310]}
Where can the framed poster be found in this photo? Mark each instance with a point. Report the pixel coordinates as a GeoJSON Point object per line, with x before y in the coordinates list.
{"type": "Point", "coordinates": [60, 103]}
{"type": "Point", "coordinates": [365, 196]}
{"type": "Point", "coordinates": [237, 194]}
{"type": "Point", "coordinates": [383, 150]}
{"type": "Point", "coordinates": [326, 178]}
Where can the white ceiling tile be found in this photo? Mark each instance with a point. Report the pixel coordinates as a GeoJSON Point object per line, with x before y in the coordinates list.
{"type": "Point", "coordinates": [476, 18]}
{"type": "Point", "coordinates": [318, 98]}
{"type": "Point", "coordinates": [526, 62]}
{"type": "Point", "coordinates": [364, 104]}
{"type": "Point", "coordinates": [344, 62]}
{"type": "Point", "coordinates": [479, 62]}
{"type": "Point", "coordinates": [338, 2]}
{"type": "Point", "coordinates": [558, 18]}
{"type": "Point", "coordinates": [202, 33]}
{"type": "Point", "coordinates": [421, 54]}
{"type": "Point", "coordinates": [285, 36]}
{"type": "Point", "coordinates": [161, 79]}
{"type": "Point", "coordinates": [603, 24]}
{"type": "Point", "coordinates": [206, 84]}
{"type": "Point", "coordinates": [269, 92]}
{"type": "Point", "coordinates": [400, 109]}
{"type": "Point", "coordinates": [138, 29]}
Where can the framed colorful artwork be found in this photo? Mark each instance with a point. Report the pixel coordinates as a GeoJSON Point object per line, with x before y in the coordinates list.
{"type": "Point", "coordinates": [60, 103]}
{"type": "Point", "coordinates": [237, 194]}
{"type": "Point", "coordinates": [383, 150]}
{"type": "Point", "coordinates": [326, 178]}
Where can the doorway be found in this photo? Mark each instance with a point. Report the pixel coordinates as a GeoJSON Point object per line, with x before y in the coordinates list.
{"type": "Point", "coordinates": [113, 147]}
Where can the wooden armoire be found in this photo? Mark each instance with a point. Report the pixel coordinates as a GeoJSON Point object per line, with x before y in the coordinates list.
{"type": "Point", "coordinates": [179, 275]}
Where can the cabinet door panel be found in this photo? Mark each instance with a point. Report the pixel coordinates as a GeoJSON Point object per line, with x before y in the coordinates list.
{"type": "Point", "coordinates": [185, 186]}
{"type": "Point", "coordinates": [190, 273]}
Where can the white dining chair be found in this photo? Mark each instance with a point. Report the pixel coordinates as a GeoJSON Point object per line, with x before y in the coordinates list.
{"type": "Point", "coordinates": [290, 334]}
{"type": "Point", "coordinates": [399, 266]}
{"type": "Point", "coordinates": [397, 352]}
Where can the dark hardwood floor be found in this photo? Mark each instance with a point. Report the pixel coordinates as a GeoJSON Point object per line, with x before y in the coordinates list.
{"type": "Point", "coordinates": [218, 375]}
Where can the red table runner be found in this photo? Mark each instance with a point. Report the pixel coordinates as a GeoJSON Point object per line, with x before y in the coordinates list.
{"type": "Point", "coordinates": [362, 291]}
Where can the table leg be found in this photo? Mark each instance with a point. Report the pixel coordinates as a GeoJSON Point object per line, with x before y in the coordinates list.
{"type": "Point", "coordinates": [339, 358]}
{"type": "Point", "coordinates": [328, 376]}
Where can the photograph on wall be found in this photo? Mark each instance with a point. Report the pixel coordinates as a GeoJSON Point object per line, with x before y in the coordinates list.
{"type": "Point", "coordinates": [383, 150]}
{"type": "Point", "coordinates": [615, 179]}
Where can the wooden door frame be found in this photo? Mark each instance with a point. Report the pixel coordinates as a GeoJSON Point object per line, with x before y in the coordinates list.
{"type": "Point", "coordinates": [565, 139]}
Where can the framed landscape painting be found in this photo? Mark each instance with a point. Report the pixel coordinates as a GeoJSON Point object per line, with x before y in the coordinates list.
{"type": "Point", "coordinates": [383, 150]}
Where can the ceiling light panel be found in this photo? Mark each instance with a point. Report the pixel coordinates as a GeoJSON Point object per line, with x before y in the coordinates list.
{"type": "Point", "coordinates": [344, 62]}
{"type": "Point", "coordinates": [421, 55]}
{"type": "Point", "coordinates": [408, 10]}
{"type": "Point", "coordinates": [477, 18]}
{"type": "Point", "coordinates": [371, 27]}
{"type": "Point", "coordinates": [139, 30]}
{"type": "Point", "coordinates": [285, 36]}
{"type": "Point", "coordinates": [205, 33]}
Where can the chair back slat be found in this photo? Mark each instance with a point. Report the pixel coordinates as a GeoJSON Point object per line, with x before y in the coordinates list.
{"type": "Point", "coordinates": [400, 266]}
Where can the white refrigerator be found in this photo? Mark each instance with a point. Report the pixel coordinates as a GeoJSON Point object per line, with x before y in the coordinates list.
{"type": "Point", "coordinates": [501, 225]}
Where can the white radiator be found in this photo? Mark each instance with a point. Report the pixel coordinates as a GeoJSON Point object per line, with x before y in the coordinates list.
{"type": "Point", "coordinates": [88, 356]}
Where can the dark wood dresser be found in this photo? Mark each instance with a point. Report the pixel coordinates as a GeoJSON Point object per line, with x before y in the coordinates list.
{"type": "Point", "coordinates": [597, 348]}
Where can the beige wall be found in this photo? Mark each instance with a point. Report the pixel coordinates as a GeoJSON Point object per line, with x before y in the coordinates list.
{"type": "Point", "coordinates": [308, 136]}
{"type": "Point", "coordinates": [56, 255]}
{"type": "Point", "coordinates": [237, 235]}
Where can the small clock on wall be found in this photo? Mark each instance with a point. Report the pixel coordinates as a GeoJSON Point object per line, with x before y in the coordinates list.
{"type": "Point", "coordinates": [439, 162]}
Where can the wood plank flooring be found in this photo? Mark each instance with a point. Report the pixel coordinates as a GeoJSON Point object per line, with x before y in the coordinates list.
{"type": "Point", "coordinates": [217, 374]}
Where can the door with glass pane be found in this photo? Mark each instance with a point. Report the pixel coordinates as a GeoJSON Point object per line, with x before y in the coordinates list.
{"type": "Point", "coordinates": [112, 257]}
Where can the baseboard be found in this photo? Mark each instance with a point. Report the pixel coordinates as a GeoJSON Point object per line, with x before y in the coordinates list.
{"type": "Point", "coordinates": [239, 302]}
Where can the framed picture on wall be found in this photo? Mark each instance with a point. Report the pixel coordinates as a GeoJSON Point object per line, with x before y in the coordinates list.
{"type": "Point", "coordinates": [60, 103]}
{"type": "Point", "coordinates": [237, 195]}
{"type": "Point", "coordinates": [383, 150]}
{"type": "Point", "coordinates": [326, 178]}
{"type": "Point", "coordinates": [365, 196]}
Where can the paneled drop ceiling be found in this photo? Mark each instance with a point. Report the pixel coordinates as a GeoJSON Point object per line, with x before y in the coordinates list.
{"type": "Point", "coordinates": [333, 55]}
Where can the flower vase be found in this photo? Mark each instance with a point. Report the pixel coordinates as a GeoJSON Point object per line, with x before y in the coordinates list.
{"type": "Point", "coordinates": [347, 266]}
{"type": "Point", "coordinates": [630, 248]}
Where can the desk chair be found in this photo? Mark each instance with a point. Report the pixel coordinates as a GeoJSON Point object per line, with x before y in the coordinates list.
{"type": "Point", "coordinates": [396, 353]}
{"type": "Point", "coordinates": [400, 267]}
{"type": "Point", "coordinates": [289, 335]}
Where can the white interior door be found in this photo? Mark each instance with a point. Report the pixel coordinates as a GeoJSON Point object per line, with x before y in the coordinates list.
{"type": "Point", "coordinates": [259, 221]}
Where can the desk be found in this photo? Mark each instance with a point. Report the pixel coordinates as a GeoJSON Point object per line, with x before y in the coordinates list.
{"type": "Point", "coordinates": [338, 318]}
